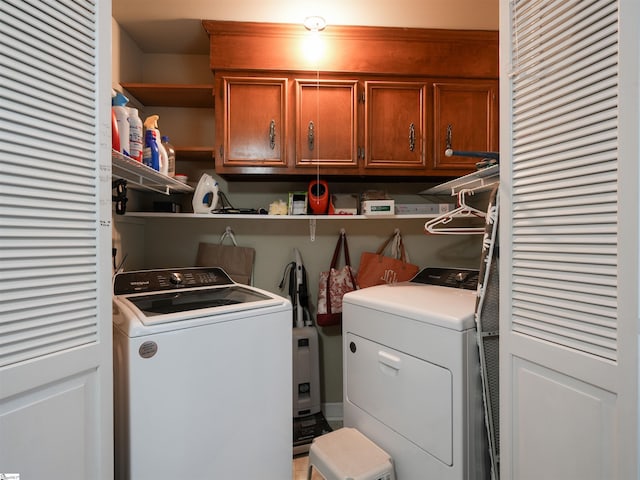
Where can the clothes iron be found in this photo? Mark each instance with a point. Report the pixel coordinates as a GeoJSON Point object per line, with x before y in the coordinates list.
{"type": "Point", "coordinates": [205, 197]}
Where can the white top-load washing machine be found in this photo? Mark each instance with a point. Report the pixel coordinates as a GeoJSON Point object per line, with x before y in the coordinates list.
{"type": "Point", "coordinates": [202, 383]}
{"type": "Point", "coordinates": [412, 374]}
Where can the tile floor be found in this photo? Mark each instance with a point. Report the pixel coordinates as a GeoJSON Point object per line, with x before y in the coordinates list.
{"type": "Point", "coordinates": [300, 468]}
{"type": "Point", "coordinates": [301, 462]}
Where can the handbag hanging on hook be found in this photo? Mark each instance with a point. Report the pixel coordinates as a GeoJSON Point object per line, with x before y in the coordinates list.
{"type": "Point", "coordinates": [334, 283]}
{"type": "Point", "coordinates": [378, 269]}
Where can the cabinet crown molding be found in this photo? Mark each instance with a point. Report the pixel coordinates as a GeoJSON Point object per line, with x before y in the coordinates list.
{"type": "Point", "coordinates": [354, 49]}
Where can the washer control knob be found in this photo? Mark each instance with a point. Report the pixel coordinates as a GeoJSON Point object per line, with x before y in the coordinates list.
{"type": "Point", "coordinates": [461, 276]}
{"type": "Point", "coordinates": [176, 278]}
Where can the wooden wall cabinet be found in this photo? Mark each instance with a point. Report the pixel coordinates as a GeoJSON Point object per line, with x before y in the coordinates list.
{"type": "Point", "coordinates": [251, 123]}
{"type": "Point", "coordinates": [470, 108]}
{"type": "Point", "coordinates": [379, 105]}
{"type": "Point", "coordinates": [395, 125]}
{"type": "Point", "coordinates": [326, 124]}
{"type": "Point", "coordinates": [286, 125]}
{"type": "Point", "coordinates": [381, 127]}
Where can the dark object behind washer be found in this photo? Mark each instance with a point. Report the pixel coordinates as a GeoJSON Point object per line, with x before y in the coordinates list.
{"type": "Point", "coordinates": [448, 277]}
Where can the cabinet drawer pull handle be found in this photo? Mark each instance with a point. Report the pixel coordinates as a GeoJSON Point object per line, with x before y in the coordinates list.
{"type": "Point", "coordinates": [311, 136]}
{"type": "Point", "coordinates": [272, 134]}
{"type": "Point", "coordinates": [412, 137]}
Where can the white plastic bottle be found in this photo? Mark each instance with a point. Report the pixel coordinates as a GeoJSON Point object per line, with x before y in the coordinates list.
{"type": "Point", "coordinates": [136, 143]}
{"type": "Point", "coordinates": [164, 159]}
{"type": "Point", "coordinates": [171, 156]}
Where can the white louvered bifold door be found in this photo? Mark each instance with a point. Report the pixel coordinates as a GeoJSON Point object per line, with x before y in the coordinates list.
{"type": "Point", "coordinates": [568, 247]}
{"type": "Point", "coordinates": [55, 379]}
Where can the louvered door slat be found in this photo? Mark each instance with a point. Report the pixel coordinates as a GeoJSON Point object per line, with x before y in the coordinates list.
{"type": "Point", "coordinates": [70, 39]}
{"type": "Point", "coordinates": [566, 48]}
{"type": "Point", "coordinates": [597, 317]}
{"type": "Point", "coordinates": [48, 248]}
{"type": "Point", "coordinates": [596, 333]}
{"type": "Point", "coordinates": [564, 192]}
{"type": "Point", "coordinates": [545, 293]}
{"type": "Point", "coordinates": [62, 169]}
{"type": "Point", "coordinates": [60, 305]}
{"type": "Point", "coordinates": [597, 151]}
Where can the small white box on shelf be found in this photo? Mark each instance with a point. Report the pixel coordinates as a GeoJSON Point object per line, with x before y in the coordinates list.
{"type": "Point", "coordinates": [378, 207]}
{"type": "Point", "coordinates": [423, 208]}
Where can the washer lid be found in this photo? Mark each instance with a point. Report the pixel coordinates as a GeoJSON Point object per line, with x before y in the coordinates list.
{"type": "Point", "coordinates": [189, 300]}
{"type": "Point", "coordinates": [446, 307]}
{"type": "Point", "coordinates": [151, 309]}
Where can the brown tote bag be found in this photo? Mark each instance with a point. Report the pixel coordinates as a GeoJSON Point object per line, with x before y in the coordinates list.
{"type": "Point", "coordinates": [378, 269]}
{"type": "Point", "coordinates": [236, 261]}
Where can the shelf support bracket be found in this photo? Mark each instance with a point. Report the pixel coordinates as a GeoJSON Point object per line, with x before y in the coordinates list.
{"type": "Point", "coordinates": [312, 229]}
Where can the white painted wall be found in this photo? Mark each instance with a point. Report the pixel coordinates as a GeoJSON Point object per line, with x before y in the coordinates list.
{"type": "Point", "coordinates": [171, 26]}
{"type": "Point", "coordinates": [458, 14]}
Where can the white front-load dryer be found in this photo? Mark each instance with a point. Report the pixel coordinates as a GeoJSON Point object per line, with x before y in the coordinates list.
{"type": "Point", "coordinates": [412, 374]}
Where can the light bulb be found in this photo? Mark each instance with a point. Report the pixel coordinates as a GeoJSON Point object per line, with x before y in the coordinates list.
{"type": "Point", "coordinates": [313, 46]}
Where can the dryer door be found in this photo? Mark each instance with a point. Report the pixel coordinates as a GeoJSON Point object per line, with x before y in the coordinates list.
{"type": "Point", "coordinates": [411, 396]}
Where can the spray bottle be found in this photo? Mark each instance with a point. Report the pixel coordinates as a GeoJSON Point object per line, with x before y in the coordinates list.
{"type": "Point", "coordinates": [118, 102]}
{"type": "Point", "coordinates": [150, 153]}
{"type": "Point", "coordinates": [153, 143]}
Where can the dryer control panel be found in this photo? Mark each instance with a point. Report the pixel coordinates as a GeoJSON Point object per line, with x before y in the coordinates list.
{"type": "Point", "coordinates": [448, 277]}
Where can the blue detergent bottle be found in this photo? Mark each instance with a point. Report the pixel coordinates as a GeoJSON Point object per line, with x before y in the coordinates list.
{"type": "Point", "coordinates": [151, 154]}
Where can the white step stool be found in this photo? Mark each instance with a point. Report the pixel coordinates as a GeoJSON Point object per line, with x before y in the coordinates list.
{"type": "Point", "coordinates": [346, 454]}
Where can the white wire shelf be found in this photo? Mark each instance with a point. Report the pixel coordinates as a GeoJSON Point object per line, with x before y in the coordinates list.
{"type": "Point", "coordinates": [480, 180]}
{"type": "Point", "coordinates": [142, 177]}
{"type": "Point", "coordinates": [211, 216]}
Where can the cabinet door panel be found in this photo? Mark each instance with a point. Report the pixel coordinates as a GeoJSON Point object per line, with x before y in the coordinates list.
{"type": "Point", "coordinates": [254, 121]}
{"type": "Point", "coordinates": [395, 124]}
{"type": "Point", "coordinates": [470, 107]}
{"type": "Point", "coordinates": [326, 122]}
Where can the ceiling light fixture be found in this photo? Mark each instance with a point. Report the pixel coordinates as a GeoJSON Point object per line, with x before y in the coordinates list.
{"type": "Point", "coordinates": [315, 23]}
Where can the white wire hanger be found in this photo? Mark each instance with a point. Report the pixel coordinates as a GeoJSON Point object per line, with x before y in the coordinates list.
{"type": "Point", "coordinates": [440, 225]}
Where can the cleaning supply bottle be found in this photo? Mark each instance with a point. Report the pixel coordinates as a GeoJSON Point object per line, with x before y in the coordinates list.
{"type": "Point", "coordinates": [115, 136]}
{"type": "Point", "coordinates": [205, 197]}
{"type": "Point", "coordinates": [135, 135]}
{"type": "Point", "coordinates": [171, 156]}
{"type": "Point", "coordinates": [151, 155]}
{"type": "Point", "coordinates": [118, 102]}
{"type": "Point", "coordinates": [151, 125]}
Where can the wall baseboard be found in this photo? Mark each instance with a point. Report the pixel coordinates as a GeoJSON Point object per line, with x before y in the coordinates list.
{"type": "Point", "coordinates": [332, 411]}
